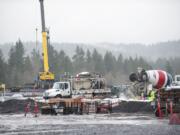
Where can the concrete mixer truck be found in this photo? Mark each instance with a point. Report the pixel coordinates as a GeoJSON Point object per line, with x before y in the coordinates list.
{"type": "Point", "coordinates": [167, 95]}
{"type": "Point", "coordinates": [157, 78]}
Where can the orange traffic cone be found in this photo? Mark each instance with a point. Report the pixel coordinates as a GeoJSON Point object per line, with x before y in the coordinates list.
{"type": "Point", "coordinates": [36, 109]}
{"type": "Point", "coordinates": [166, 108]}
{"type": "Point", "coordinates": [159, 110]}
{"type": "Point", "coordinates": [171, 107]}
{"type": "Point", "coordinates": [174, 119]}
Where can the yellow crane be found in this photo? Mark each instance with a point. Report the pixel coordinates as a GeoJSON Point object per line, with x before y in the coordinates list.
{"type": "Point", "coordinates": [46, 76]}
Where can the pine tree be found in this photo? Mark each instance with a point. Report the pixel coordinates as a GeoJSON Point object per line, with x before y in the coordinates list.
{"type": "Point", "coordinates": [109, 62]}
{"type": "Point", "coordinates": [98, 64]}
{"type": "Point", "coordinates": [16, 64]}
{"type": "Point", "coordinates": [78, 60]}
{"type": "Point", "coordinates": [3, 69]}
{"type": "Point", "coordinates": [36, 62]}
{"type": "Point", "coordinates": [120, 61]}
{"type": "Point", "coordinates": [169, 68]}
{"type": "Point", "coordinates": [28, 75]}
{"type": "Point", "coordinates": [88, 61]}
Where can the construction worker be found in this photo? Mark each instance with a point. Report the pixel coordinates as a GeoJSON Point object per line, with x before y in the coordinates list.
{"type": "Point", "coordinates": [151, 95]}
{"type": "Point", "coordinates": [27, 109]}
{"type": "Point", "coordinates": [151, 98]}
{"type": "Point", "coordinates": [93, 94]}
{"type": "Point", "coordinates": [36, 110]}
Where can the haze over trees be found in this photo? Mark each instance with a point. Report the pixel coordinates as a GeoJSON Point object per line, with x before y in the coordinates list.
{"type": "Point", "coordinates": [20, 67]}
{"type": "Point", "coordinates": [151, 52]}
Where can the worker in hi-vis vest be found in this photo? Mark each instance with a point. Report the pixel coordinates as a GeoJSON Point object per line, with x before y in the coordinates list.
{"type": "Point", "coordinates": [151, 95]}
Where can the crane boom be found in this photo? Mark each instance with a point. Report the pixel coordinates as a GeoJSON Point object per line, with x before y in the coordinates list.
{"type": "Point", "coordinates": [42, 16]}
{"type": "Point", "coordinates": [44, 38]}
{"type": "Point", "coordinates": [46, 75]}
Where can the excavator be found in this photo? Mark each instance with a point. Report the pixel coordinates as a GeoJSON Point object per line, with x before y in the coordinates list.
{"type": "Point", "coordinates": [45, 78]}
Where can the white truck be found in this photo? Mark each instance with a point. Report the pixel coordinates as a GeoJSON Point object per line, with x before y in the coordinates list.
{"type": "Point", "coordinates": [83, 84]}
{"type": "Point", "coordinates": [177, 80]}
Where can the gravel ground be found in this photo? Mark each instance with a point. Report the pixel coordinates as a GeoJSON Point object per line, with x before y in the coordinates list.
{"type": "Point", "coordinates": [93, 124]}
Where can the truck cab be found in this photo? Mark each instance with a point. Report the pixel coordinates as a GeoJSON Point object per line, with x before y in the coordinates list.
{"type": "Point", "coordinates": [177, 80]}
{"type": "Point", "coordinates": [59, 89]}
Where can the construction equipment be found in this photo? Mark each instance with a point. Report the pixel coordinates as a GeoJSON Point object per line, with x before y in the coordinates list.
{"type": "Point", "coordinates": [169, 100]}
{"type": "Point", "coordinates": [83, 84]}
{"type": "Point", "coordinates": [77, 105]}
{"type": "Point", "coordinates": [3, 87]}
{"type": "Point", "coordinates": [45, 78]}
{"type": "Point", "coordinates": [177, 80]}
{"type": "Point", "coordinates": [64, 106]}
{"type": "Point", "coordinates": [143, 78]}
{"type": "Point", "coordinates": [167, 94]}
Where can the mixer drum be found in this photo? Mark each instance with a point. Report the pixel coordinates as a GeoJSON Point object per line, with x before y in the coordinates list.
{"type": "Point", "coordinates": [159, 78]}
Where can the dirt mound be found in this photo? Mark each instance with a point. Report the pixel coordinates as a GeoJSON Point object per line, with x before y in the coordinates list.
{"type": "Point", "coordinates": [133, 107]}
{"type": "Point", "coordinates": [16, 106]}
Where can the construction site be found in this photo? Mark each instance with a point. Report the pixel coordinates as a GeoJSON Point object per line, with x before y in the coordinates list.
{"type": "Point", "coordinates": [32, 115]}
{"type": "Point", "coordinates": [85, 104]}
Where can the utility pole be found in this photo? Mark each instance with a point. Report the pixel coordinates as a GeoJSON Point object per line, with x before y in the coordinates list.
{"type": "Point", "coordinates": [36, 38]}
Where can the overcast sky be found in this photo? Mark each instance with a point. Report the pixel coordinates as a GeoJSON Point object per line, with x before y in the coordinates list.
{"type": "Point", "coordinates": [92, 21]}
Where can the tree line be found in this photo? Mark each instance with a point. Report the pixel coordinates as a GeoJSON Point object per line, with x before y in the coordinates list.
{"type": "Point", "coordinates": [20, 68]}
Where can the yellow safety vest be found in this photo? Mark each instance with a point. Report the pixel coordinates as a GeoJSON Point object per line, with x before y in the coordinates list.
{"type": "Point", "coordinates": [151, 95]}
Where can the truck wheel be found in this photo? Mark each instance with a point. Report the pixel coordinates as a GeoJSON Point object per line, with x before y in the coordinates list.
{"type": "Point", "coordinates": [45, 98]}
{"type": "Point", "coordinates": [58, 96]}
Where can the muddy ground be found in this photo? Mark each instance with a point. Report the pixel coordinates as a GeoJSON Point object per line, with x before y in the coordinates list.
{"type": "Point", "coordinates": [16, 106]}
{"type": "Point", "coordinates": [92, 124]}
{"type": "Point", "coordinates": [129, 118]}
